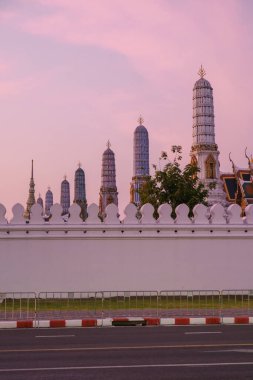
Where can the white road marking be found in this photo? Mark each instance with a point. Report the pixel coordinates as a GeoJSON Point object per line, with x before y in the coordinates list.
{"type": "Point", "coordinates": [128, 366]}
{"type": "Point", "coordinates": [202, 332]}
{"type": "Point", "coordinates": [53, 336]}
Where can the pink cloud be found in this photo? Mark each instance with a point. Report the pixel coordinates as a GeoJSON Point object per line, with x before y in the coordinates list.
{"type": "Point", "coordinates": [164, 42]}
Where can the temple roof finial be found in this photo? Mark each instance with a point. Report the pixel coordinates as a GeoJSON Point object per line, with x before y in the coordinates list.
{"type": "Point", "coordinates": [79, 164]}
{"type": "Point", "coordinates": [201, 72]}
{"type": "Point", "coordinates": [108, 144]}
{"type": "Point", "coordinates": [65, 177]}
{"type": "Point", "coordinates": [140, 120]}
{"type": "Point", "coordinates": [32, 170]}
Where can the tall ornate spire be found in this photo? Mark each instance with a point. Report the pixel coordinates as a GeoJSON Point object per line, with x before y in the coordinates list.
{"type": "Point", "coordinates": [140, 161]}
{"type": "Point", "coordinates": [40, 201]}
{"type": "Point", "coordinates": [204, 151]}
{"type": "Point", "coordinates": [65, 196]}
{"type": "Point", "coordinates": [108, 190]}
{"type": "Point", "coordinates": [49, 201]}
{"type": "Point", "coordinates": [80, 192]}
{"type": "Point", "coordinates": [31, 196]}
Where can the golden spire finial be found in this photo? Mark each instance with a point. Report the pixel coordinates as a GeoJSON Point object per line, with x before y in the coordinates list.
{"type": "Point", "coordinates": [140, 120]}
{"type": "Point", "coordinates": [32, 170]}
{"type": "Point", "coordinates": [108, 144]}
{"type": "Point", "coordinates": [201, 72]}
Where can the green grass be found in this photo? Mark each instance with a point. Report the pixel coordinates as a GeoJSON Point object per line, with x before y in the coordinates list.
{"type": "Point", "coordinates": [117, 303]}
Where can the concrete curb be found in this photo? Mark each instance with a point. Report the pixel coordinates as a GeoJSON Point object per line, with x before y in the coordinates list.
{"type": "Point", "coordinates": [128, 321]}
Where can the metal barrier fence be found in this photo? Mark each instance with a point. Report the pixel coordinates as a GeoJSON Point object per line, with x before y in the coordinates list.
{"type": "Point", "coordinates": [167, 303]}
{"type": "Point", "coordinates": [237, 301]}
{"type": "Point", "coordinates": [189, 303]}
{"type": "Point", "coordinates": [69, 305]}
{"type": "Point", "coordinates": [17, 306]}
{"type": "Point", "coordinates": [130, 303]}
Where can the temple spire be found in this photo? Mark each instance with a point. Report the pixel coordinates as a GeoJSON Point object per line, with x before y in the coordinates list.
{"type": "Point", "coordinates": [65, 196]}
{"type": "Point", "coordinates": [80, 191]}
{"type": "Point", "coordinates": [108, 190]}
{"type": "Point", "coordinates": [31, 197]}
{"type": "Point", "coordinates": [204, 151]}
{"type": "Point", "coordinates": [140, 161]}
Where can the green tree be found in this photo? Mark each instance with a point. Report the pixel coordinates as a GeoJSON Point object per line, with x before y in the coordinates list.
{"type": "Point", "coordinates": [174, 185]}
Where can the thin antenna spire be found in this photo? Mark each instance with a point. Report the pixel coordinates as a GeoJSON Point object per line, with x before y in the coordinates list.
{"type": "Point", "coordinates": [140, 120]}
{"type": "Point", "coordinates": [32, 170]}
{"type": "Point", "coordinates": [108, 144]}
{"type": "Point", "coordinates": [201, 72]}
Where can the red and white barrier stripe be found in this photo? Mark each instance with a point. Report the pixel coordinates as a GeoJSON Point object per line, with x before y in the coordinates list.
{"type": "Point", "coordinates": [107, 322]}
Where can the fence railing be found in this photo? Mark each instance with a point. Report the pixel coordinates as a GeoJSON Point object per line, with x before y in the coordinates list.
{"type": "Point", "coordinates": [166, 303]}
{"type": "Point", "coordinates": [17, 306]}
{"type": "Point", "coordinates": [240, 301]}
{"type": "Point", "coordinates": [189, 303]}
{"type": "Point", "coordinates": [69, 305]}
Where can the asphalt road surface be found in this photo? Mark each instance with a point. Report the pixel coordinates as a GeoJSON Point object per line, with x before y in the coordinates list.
{"type": "Point", "coordinates": [175, 352]}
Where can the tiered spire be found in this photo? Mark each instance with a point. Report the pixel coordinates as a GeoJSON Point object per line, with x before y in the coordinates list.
{"type": "Point", "coordinates": [108, 190]}
{"type": "Point", "coordinates": [140, 160]}
{"type": "Point", "coordinates": [31, 197]}
{"type": "Point", "coordinates": [65, 196]}
{"type": "Point", "coordinates": [80, 191]}
{"type": "Point", "coordinates": [204, 152]}
{"type": "Point", "coordinates": [49, 201]}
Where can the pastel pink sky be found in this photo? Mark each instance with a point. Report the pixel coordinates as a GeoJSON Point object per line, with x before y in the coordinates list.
{"type": "Point", "coordinates": [74, 74]}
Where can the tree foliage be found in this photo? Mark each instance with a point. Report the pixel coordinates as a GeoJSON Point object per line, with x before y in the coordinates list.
{"type": "Point", "coordinates": [174, 185]}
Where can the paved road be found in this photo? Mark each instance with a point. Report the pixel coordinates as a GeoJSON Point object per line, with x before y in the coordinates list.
{"type": "Point", "coordinates": [176, 352]}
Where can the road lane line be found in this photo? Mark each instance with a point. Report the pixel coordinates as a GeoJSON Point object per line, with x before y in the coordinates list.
{"type": "Point", "coordinates": [222, 364]}
{"type": "Point", "coordinates": [202, 332]}
{"type": "Point", "coordinates": [53, 336]}
{"type": "Point", "coordinates": [108, 348]}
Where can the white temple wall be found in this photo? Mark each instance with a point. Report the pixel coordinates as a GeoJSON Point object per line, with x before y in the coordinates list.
{"type": "Point", "coordinates": [212, 250]}
{"type": "Point", "coordinates": [119, 263]}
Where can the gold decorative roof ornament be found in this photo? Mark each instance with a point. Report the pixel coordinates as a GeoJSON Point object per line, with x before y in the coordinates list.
{"type": "Point", "coordinates": [201, 72]}
{"type": "Point", "coordinates": [250, 159]}
{"type": "Point", "coordinates": [140, 120]}
{"type": "Point", "coordinates": [232, 162]}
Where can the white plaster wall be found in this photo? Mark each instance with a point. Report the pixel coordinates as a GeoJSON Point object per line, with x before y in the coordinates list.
{"type": "Point", "coordinates": [122, 263]}
{"type": "Point", "coordinates": [212, 250]}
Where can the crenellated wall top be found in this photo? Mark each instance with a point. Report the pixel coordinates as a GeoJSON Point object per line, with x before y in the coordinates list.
{"type": "Point", "coordinates": [203, 218]}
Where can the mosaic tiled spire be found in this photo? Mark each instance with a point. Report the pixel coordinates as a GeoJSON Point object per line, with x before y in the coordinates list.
{"type": "Point", "coordinates": [65, 196]}
{"type": "Point", "coordinates": [49, 201]}
{"type": "Point", "coordinates": [108, 190]}
{"type": "Point", "coordinates": [31, 197]}
{"type": "Point", "coordinates": [204, 151]}
{"type": "Point", "coordinates": [80, 192]}
{"type": "Point", "coordinates": [40, 201]}
{"type": "Point", "coordinates": [140, 161]}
